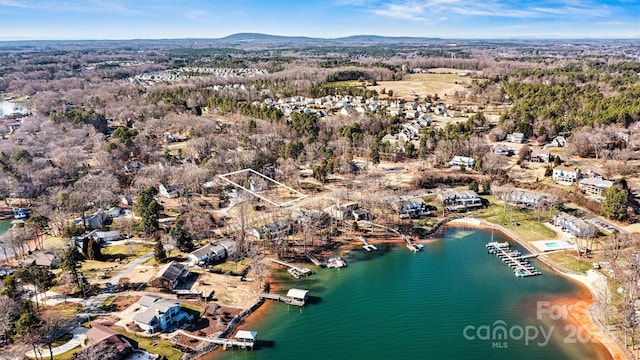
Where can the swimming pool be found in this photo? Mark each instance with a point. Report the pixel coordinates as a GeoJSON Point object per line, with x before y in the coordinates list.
{"type": "Point", "coordinates": [553, 244]}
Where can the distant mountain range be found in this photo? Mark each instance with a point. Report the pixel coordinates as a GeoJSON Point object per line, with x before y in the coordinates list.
{"type": "Point", "coordinates": [262, 38]}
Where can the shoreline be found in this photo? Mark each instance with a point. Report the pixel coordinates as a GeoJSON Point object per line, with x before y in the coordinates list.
{"type": "Point", "coordinates": [580, 316]}
{"type": "Point", "coordinates": [583, 317]}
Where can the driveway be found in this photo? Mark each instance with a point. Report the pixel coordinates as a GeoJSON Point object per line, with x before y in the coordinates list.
{"type": "Point", "coordinates": [79, 335]}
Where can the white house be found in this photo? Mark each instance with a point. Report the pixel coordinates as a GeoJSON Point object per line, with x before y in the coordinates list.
{"type": "Point", "coordinates": [157, 314]}
{"type": "Point", "coordinates": [501, 149]}
{"type": "Point", "coordinates": [565, 175]}
{"type": "Point", "coordinates": [462, 161]}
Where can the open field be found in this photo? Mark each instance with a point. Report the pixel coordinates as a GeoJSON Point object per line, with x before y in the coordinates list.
{"type": "Point", "coordinates": [444, 85]}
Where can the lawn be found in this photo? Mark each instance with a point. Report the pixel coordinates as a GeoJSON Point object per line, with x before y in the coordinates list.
{"type": "Point", "coordinates": [155, 346]}
{"type": "Point", "coordinates": [528, 228]}
{"type": "Point", "coordinates": [231, 267]}
{"type": "Point", "coordinates": [194, 310]}
{"type": "Point", "coordinates": [570, 262]}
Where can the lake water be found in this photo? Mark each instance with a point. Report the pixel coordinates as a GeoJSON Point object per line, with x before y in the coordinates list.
{"type": "Point", "coordinates": [5, 225]}
{"type": "Point", "coordinates": [394, 304]}
{"type": "Point", "coordinates": [8, 108]}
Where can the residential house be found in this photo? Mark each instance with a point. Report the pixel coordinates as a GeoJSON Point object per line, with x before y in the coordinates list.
{"type": "Point", "coordinates": [411, 208]}
{"type": "Point", "coordinates": [105, 236]}
{"type": "Point", "coordinates": [215, 251]}
{"type": "Point", "coordinates": [462, 161]}
{"type": "Point", "coordinates": [540, 155]}
{"type": "Point", "coordinates": [520, 198]}
{"type": "Point", "coordinates": [517, 138]}
{"type": "Point", "coordinates": [208, 253]}
{"type": "Point", "coordinates": [100, 334]}
{"type": "Point", "coordinates": [573, 225]}
{"type": "Point", "coordinates": [170, 275]}
{"type": "Point", "coordinates": [501, 149]}
{"type": "Point", "coordinates": [558, 141]}
{"type": "Point", "coordinates": [94, 220]}
{"type": "Point", "coordinates": [273, 230]}
{"type": "Point", "coordinates": [460, 200]}
{"type": "Point", "coordinates": [594, 186]}
{"type": "Point", "coordinates": [46, 259]}
{"type": "Point", "coordinates": [157, 314]}
{"type": "Point", "coordinates": [349, 211]}
{"type": "Point", "coordinates": [565, 175]}
{"type": "Point", "coordinates": [169, 192]}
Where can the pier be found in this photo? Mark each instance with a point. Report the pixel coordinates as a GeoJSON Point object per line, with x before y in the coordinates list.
{"type": "Point", "coordinates": [514, 259]}
{"type": "Point", "coordinates": [295, 297]}
{"type": "Point", "coordinates": [411, 245]}
{"type": "Point", "coordinates": [314, 260]}
{"type": "Point", "coordinates": [295, 271]}
{"type": "Point", "coordinates": [367, 246]}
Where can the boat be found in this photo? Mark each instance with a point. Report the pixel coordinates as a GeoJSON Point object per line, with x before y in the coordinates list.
{"type": "Point", "coordinates": [336, 263]}
{"type": "Point", "coordinates": [20, 214]}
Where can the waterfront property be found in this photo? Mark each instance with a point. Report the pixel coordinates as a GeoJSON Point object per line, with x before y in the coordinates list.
{"type": "Point", "coordinates": [273, 230]}
{"type": "Point", "coordinates": [573, 225]}
{"type": "Point", "coordinates": [157, 314]}
{"type": "Point", "coordinates": [594, 186]}
{"type": "Point", "coordinates": [454, 200]}
{"type": "Point", "coordinates": [349, 211]}
{"type": "Point", "coordinates": [297, 297]}
{"type": "Point", "coordinates": [520, 198]}
{"type": "Point", "coordinates": [410, 208]}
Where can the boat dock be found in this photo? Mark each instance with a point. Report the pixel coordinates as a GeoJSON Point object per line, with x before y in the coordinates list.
{"type": "Point", "coordinates": [295, 271]}
{"type": "Point", "coordinates": [514, 259]}
{"type": "Point", "coordinates": [295, 297]}
{"type": "Point", "coordinates": [314, 260]}
{"type": "Point", "coordinates": [411, 245]}
{"type": "Point", "coordinates": [367, 246]}
{"type": "Point", "coordinates": [229, 343]}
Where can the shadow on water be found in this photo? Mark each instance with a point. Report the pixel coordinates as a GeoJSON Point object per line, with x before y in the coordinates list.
{"type": "Point", "coordinates": [313, 300]}
{"type": "Point", "coordinates": [264, 344]}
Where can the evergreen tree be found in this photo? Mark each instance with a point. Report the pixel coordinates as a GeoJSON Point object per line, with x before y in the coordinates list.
{"type": "Point", "coordinates": [158, 251]}
{"type": "Point", "coordinates": [148, 209]}
{"type": "Point", "coordinates": [616, 200]}
{"type": "Point", "coordinates": [94, 250]}
{"type": "Point", "coordinates": [181, 237]}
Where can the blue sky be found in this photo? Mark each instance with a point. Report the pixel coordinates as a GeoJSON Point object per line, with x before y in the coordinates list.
{"type": "Point", "coordinates": [153, 19]}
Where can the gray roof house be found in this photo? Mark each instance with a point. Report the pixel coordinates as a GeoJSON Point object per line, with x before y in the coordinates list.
{"type": "Point", "coordinates": [157, 314]}
{"type": "Point", "coordinates": [170, 276]}
{"type": "Point", "coordinates": [594, 186]}
{"type": "Point", "coordinates": [460, 200]}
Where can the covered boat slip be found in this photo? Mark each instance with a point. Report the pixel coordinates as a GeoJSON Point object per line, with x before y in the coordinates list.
{"type": "Point", "coordinates": [297, 297]}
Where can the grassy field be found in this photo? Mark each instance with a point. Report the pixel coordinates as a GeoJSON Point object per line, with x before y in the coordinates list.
{"type": "Point", "coordinates": [423, 84]}
{"type": "Point", "coordinates": [231, 266]}
{"type": "Point", "coordinates": [528, 228]}
{"type": "Point", "coordinates": [570, 262]}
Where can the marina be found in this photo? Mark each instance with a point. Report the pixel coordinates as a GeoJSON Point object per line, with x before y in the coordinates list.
{"type": "Point", "coordinates": [513, 258]}
{"type": "Point", "coordinates": [477, 291]}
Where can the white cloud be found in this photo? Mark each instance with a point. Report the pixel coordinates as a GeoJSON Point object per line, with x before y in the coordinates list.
{"type": "Point", "coordinates": [413, 9]}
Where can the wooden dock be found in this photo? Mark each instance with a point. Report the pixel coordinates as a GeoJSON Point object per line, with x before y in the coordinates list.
{"type": "Point", "coordinates": [367, 246]}
{"type": "Point", "coordinates": [515, 260]}
{"type": "Point", "coordinates": [229, 343]}
{"type": "Point", "coordinates": [295, 271]}
{"type": "Point", "coordinates": [315, 260]}
{"type": "Point", "coordinates": [411, 245]}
